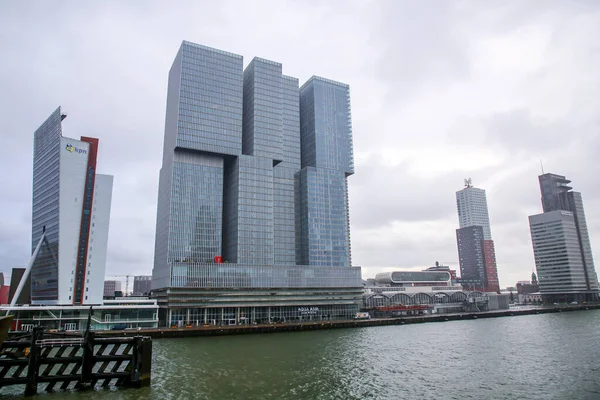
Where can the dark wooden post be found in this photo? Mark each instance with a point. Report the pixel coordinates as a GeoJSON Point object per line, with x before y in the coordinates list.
{"type": "Point", "coordinates": [33, 366]}
{"type": "Point", "coordinates": [141, 362]}
{"type": "Point", "coordinates": [87, 362]}
{"type": "Point", "coordinates": [145, 357]}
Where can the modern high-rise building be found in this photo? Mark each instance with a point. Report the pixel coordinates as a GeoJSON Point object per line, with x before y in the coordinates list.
{"type": "Point", "coordinates": [111, 287]}
{"type": "Point", "coordinates": [71, 202]}
{"type": "Point", "coordinates": [252, 218]}
{"type": "Point", "coordinates": [142, 285]}
{"type": "Point", "coordinates": [561, 244]}
{"type": "Point", "coordinates": [476, 252]}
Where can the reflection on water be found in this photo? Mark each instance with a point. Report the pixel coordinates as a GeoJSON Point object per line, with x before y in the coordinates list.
{"type": "Point", "coordinates": [549, 356]}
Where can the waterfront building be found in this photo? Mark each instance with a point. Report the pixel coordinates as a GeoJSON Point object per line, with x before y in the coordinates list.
{"type": "Point", "coordinates": [525, 298]}
{"type": "Point", "coordinates": [438, 267]}
{"type": "Point", "coordinates": [417, 292]}
{"type": "Point", "coordinates": [252, 217]}
{"type": "Point", "coordinates": [526, 287]}
{"type": "Point", "coordinates": [476, 252]}
{"type": "Point", "coordinates": [71, 202]}
{"type": "Point", "coordinates": [121, 313]}
{"type": "Point", "coordinates": [561, 244]}
{"type": "Point", "coordinates": [110, 287]}
{"type": "Point", "coordinates": [142, 285]}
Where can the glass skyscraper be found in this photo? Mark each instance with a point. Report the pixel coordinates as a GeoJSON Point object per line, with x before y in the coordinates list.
{"type": "Point", "coordinates": [561, 244]}
{"type": "Point", "coordinates": [476, 251]}
{"type": "Point", "coordinates": [253, 203]}
{"type": "Point", "coordinates": [71, 202]}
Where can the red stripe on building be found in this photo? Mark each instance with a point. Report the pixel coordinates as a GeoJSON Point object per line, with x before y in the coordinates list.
{"type": "Point", "coordinates": [84, 229]}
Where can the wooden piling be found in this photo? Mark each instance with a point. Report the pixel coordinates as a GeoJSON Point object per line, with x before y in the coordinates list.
{"type": "Point", "coordinates": [117, 361]}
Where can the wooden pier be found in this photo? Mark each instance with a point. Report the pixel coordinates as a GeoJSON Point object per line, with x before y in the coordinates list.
{"type": "Point", "coordinates": [62, 361]}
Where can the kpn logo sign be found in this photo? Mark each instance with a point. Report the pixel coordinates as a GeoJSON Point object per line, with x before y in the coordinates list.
{"type": "Point", "coordinates": [72, 149]}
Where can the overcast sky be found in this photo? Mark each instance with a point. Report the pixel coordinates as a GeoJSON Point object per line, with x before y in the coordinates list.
{"type": "Point", "coordinates": [440, 91]}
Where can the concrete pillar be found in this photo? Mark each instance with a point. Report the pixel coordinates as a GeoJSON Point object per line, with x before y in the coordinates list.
{"type": "Point", "coordinates": [253, 315]}
{"type": "Point", "coordinates": [269, 314]}
{"type": "Point", "coordinates": [237, 315]}
{"type": "Point", "coordinates": [169, 318]}
{"type": "Point", "coordinates": [205, 313]}
{"type": "Point", "coordinates": [222, 315]}
{"type": "Point", "coordinates": [187, 320]}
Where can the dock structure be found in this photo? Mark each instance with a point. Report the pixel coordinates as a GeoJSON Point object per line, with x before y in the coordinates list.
{"type": "Point", "coordinates": [53, 360]}
{"type": "Point", "coordinates": [224, 330]}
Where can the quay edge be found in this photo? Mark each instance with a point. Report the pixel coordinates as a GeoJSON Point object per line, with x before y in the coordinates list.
{"type": "Point", "coordinates": [341, 324]}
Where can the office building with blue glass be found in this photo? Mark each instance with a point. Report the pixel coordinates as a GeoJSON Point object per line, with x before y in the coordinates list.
{"type": "Point", "coordinates": [252, 220]}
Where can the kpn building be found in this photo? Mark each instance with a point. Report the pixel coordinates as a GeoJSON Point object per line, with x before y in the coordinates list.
{"type": "Point", "coordinates": [70, 226]}
{"type": "Point", "coordinates": [71, 202]}
{"type": "Point", "coordinates": [252, 220]}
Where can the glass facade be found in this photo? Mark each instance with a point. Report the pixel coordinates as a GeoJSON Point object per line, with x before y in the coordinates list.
{"type": "Point", "coordinates": [557, 254]}
{"type": "Point", "coordinates": [262, 132]}
{"type": "Point", "coordinates": [471, 255]}
{"type": "Point", "coordinates": [561, 242]}
{"type": "Point", "coordinates": [232, 183]}
{"type": "Point", "coordinates": [210, 100]}
{"type": "Point", "coordinates": [420, 276]}
{"type": "Point", "coordinates": [196, 208]}
{"type": "Point", "coordinates": [326, 125]}
{"type": "Point", "coordinates": [220, 316]}
{"type": "Point", "coordinates": [283, 175]}
{"type": "Point", "coordinates": [249, 191]}
{"type": "Point", "coordinates": [322, 216]}
{"type": "Point", "coordinates": [576, 204]}
{"type": "Point", "coordinates": [322, 220]}
{"type": "Point", "coordinates": [46, 187]}
{"type": "Point", "coordinates": [262, 276]}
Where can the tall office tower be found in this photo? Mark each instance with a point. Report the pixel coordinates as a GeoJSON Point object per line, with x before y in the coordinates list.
{"type": "Point", "coordinates": [327, 160]}
{"type": "Point", "coordinates": [476, 252]}
{"type": "Point", "coordinates": [561, 244]}
{"type": "Point", "coordinates": [72, 203]}
{"type": "Point", "coordinates": [235, 187]}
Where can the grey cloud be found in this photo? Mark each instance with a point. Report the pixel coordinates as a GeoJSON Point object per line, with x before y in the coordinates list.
{"type": "Point", "coordinates": [380, 194]}
{"type": "Point", "coordinates": [106, 63]}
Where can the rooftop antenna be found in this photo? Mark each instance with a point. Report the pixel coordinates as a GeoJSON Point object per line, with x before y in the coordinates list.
{"type": "Point", "coordinates": [542, 164]}
{"type": "Point", "coordinates": [468, 183]}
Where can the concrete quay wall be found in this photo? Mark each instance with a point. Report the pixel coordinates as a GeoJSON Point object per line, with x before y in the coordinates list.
{"type": "Point", "coordinates": [342, 324]}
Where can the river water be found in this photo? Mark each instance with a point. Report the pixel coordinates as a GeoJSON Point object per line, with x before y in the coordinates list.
{"type": "Point", "coordinates": [548, 356]}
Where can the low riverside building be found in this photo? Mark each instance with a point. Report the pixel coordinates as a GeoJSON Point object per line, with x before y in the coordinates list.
{"type": "Point", "coordinates": [249, 294]}
{"type": "Point", "coordinates": [424, 292]}
{"type": "Point", "coordinates": [528, 298]}
{"type": "Point", "coordinates": [122, 313]}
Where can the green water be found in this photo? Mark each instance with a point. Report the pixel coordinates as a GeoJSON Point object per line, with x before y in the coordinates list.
{"type": "Point", "coordinates": [549, 356]}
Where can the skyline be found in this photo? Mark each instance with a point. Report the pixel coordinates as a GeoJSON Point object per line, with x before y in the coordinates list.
{"type": "Point", "coordinates": [539, 103]}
